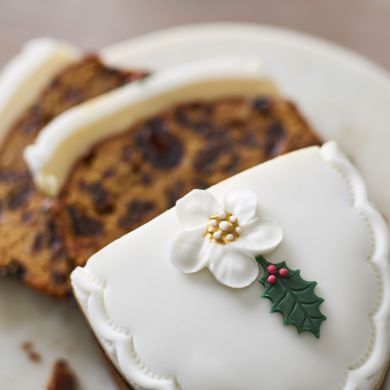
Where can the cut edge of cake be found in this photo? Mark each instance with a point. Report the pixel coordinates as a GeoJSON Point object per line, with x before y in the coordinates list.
{"type": "Point", "coordinates": [54, 72]}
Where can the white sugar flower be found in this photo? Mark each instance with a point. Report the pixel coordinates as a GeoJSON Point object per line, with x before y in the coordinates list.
{"type": "Point", "coordinates": [223, 236]}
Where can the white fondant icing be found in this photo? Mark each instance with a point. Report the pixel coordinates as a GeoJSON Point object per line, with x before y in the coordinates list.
{"type": "Point", "coordinates": [232, 262]}
{"type": "Point", "coordinates": [25, 76]}
{"type": "Point", "coordinates": [194, 334]}
{"type": "Point", "coordinates": [70, 135]}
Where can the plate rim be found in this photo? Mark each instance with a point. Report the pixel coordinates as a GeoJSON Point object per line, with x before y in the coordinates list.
{"type": "Point", "coordinates": [189, 32]}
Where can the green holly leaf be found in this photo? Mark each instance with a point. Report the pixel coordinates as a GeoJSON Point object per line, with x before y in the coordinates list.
{"type": "Point", "coordinates": [292, 296]}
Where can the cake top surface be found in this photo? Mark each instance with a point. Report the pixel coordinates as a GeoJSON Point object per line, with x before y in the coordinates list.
{"type": "Point", "coordinates": [173, 313]}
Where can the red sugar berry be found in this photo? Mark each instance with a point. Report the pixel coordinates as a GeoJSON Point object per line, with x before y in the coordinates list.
{"type": "Point", "coordinates": [283, 272]}
{"type": "Point", "coordinates": [271, 279]}
{"type": "Point", "coordinates": [272, 269]}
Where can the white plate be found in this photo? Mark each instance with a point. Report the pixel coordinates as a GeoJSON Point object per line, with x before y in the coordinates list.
{"type": "Point", "coordinates": [344, 96]}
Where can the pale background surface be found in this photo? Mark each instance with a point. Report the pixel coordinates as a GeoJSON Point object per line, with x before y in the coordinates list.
{"type": "Point", "coordinates": [362, 25]}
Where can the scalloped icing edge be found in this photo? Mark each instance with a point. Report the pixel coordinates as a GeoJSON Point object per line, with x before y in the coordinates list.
{"type": "Point", "coordinates": [119, 342]}
{"type": "Point", "coordinates": [116, 340]}
{"type": "Point", "coordinates": [25, 76]}
{"type": "Point", "coordinates": [368, 371]}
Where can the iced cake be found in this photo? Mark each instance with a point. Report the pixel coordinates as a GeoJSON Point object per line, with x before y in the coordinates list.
{"type": "Point", "coordinates": [276, 278]}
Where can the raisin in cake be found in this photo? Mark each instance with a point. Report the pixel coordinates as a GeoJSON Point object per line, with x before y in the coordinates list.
{"type": "Point", "coordinates": [276, 278]}
{"type": "Point", "coordinates": [116, 162]}
{"type": "Point", "coordinates": [46, 79]}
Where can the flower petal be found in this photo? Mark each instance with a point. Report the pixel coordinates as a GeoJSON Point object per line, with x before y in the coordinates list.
{"type": "Point", "coordinates": [186, 250]}
{"type": "Point", "coordinates": [196, 207]}
{"type": "Point", "coordinates": [234, 268]}
{"type": "Point", "coordinates": [261, 236]}
{"type": "Point", "coordinates": [242, 203]}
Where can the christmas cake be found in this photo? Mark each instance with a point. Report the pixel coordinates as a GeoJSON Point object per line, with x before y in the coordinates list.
{"type": "Point", "coordinates": [117, 161]}
{"type": "Point", "coordinates": [45, 79]}
{"type": "Point", "coordinates": [276, 278]}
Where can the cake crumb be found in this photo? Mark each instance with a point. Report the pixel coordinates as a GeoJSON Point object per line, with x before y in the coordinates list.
{"type": "Point", "coordinates": [62, 377]}
{"type": "Point", "coordinates": [32, 354]}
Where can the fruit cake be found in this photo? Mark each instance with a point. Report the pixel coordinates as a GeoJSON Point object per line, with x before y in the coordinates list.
{"type": "Point", "coordinates": [188, 128]}
{"type": "Point", "coordinates": [31, 246]}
